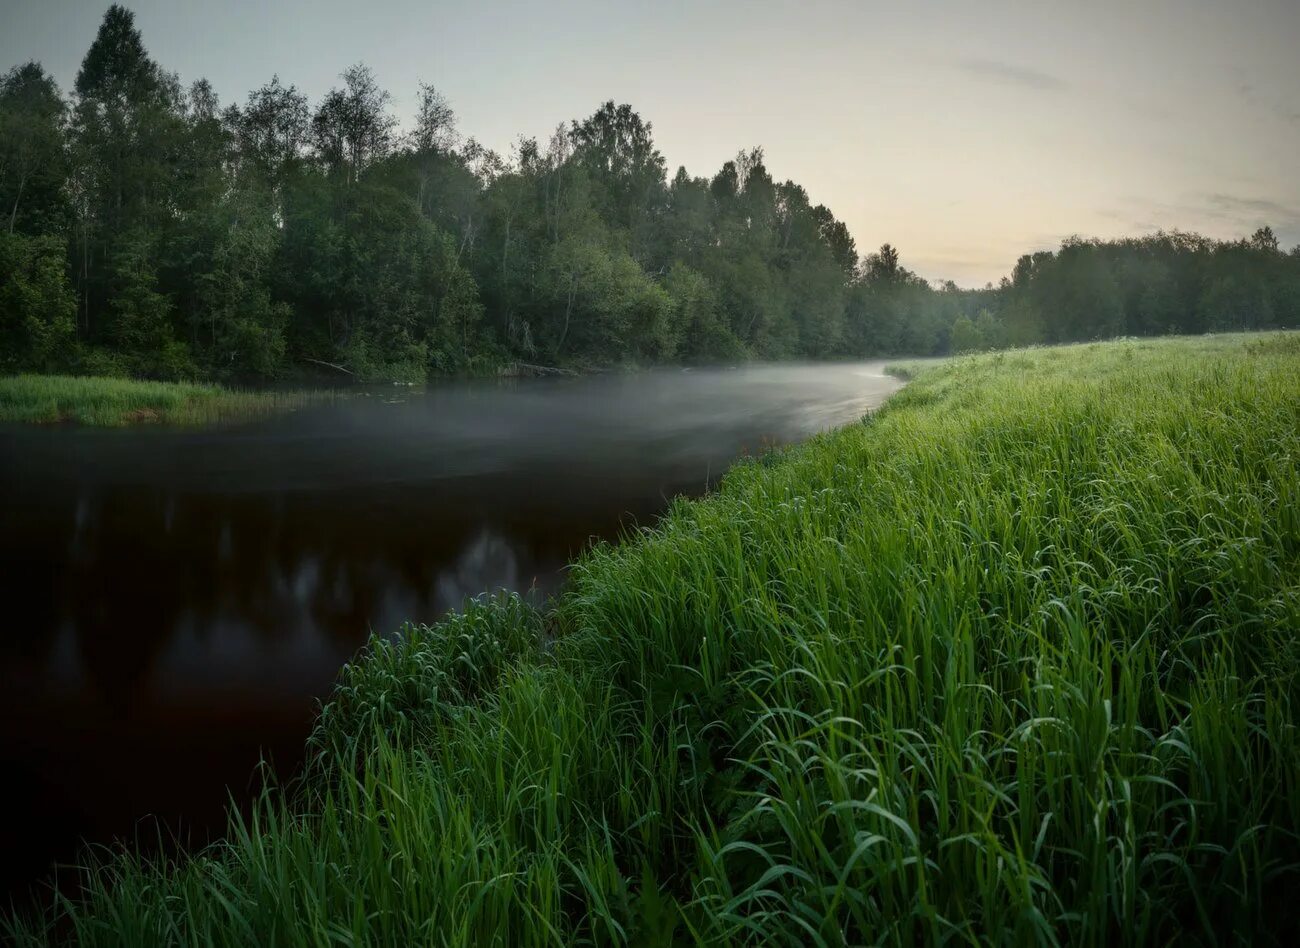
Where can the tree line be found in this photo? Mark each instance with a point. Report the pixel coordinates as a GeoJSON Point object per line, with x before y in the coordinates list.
{"type": "Point", "coordinates": [148, 230]}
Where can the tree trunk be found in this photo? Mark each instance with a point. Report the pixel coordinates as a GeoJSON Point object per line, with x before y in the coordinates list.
{"type": "Point", "coordinates": [505, 253]}
{"type": "Point", "coordinates": [568, 311]}
{"type": "Point", "coordinates": [13, 215]}
{"type": "Point", "coordinates": [85, 272]}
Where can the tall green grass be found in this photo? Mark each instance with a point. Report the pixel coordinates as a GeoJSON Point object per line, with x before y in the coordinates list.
{"type": "Point", "coordinates": [89, 400]}
{"type": "Point", "coordinates": [1013, 660]}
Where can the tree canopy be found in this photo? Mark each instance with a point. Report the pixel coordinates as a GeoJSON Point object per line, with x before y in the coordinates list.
{"type": "Point", "coordinates": [147, 229]}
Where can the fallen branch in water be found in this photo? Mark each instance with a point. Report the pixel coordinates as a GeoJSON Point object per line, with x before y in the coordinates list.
{"type": "Point", "coordinates": [331, 365]}
{"type": "Point", "coordinates": [529, 369]}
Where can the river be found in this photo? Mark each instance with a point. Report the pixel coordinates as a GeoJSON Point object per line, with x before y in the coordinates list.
{"type": "Point", "coordinates": [177, 600]}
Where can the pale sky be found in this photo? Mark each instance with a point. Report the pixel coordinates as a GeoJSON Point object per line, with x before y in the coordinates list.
{"type": "Point", "coordinates": [963, 133]}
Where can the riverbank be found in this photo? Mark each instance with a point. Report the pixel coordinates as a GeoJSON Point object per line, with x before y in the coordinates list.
{"type": "Point", "coordinates": [114, 402]}
{"type": "Point", "coordinates": [1012, 659]}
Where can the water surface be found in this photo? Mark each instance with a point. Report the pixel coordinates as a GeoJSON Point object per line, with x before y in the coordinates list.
{"type": "Point", "coordinates": [177, 600]}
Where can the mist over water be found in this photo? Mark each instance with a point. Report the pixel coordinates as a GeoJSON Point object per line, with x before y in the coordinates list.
{"type": "Point", "coordinates": [176, 601]}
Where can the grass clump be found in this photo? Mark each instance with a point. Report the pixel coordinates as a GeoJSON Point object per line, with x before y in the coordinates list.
{"type": "Point", "coordinates": [405, 689]}
{"type": "Point", "coordinates": [1013, 660]}
{"type": "Point", "coordinates": [114, 402]}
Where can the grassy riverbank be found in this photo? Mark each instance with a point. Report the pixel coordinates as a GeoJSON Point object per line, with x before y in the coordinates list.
{"type": "Point", "coordinates": [112, 402]}
{"type": "Point", "coordinates": [1015, 659]}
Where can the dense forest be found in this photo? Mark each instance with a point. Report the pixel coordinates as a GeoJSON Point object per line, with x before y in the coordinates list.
{"type": "Point", "coordinates": [148, 230]}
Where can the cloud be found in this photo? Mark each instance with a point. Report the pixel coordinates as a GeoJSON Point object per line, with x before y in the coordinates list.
{"type": "Point", "coordinates": [1219, 215]}
{"type": "Point", "coordinates": [1281, 106]}
{"type": "Point", "coordinates": [1244, 208]}
{"type": "Point", "coordinates": [1010, 74]}
{"type": "Point", "coordinates": [1246, 213]}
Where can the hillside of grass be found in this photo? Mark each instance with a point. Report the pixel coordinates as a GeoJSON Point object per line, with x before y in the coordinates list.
{"type": "Point", "coordinates": [114, 402]}
{"type": "Point", "coordinates": [1013, 660]}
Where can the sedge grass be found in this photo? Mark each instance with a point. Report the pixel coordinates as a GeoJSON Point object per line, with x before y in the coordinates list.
{"type": "Point", "coordinates": [115, 402]}
{"type": "Point", "coordinates": [1014, 660]}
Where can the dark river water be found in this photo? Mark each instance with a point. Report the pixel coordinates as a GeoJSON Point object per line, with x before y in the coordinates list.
{"type": "Point", "coordinates": [176, 601]}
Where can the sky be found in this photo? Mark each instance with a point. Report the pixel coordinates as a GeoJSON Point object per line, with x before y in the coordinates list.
{"type": "Point", "coordinates": [964, 133]}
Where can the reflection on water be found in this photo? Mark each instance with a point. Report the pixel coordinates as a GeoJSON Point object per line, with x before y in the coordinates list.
{"type": "Point", "coordinates": [176, 601]}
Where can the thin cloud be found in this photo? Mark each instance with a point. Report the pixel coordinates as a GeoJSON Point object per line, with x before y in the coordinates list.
{"type": "Point", "coordinates": [1247, 208]}
{"type": "Point", "coordinates": [1010, 74]}
{"type": "Point", "coordinates": [1224, 216]}
{"type": "Point", "coordinates": [1280, 106]}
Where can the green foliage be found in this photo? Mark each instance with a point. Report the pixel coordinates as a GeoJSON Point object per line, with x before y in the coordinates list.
{"type": "Point", "coordinates": [397, 271]}
{"type": "Point", "coordinates": [139, 318]}
{"type": "Point", "coordinates": [112, 402]}
{"type": "Point", "coordinates": [611, 308]}
{"type": "Point", "coordinates": [1168, 283]}
{"type": "Point", "coordinates": [37, 310]}
{"type": "Point", "coordinates": [990, 330]}
{"type": "Point", "coordinates": [697, 314]}
{"type": "Point", "coordinates": [255, 240]}
{"type": "Point", "coordinates": [1231, 303]}
{"type": "Point", "coordinates": [33, 166]}
{"type": "Point", "coordinates": [1013, 661]}
{"type": "Point", "coordinates": [614, 147]}
{"type": "Point", "coordinates": [409, 688]}
{"type": "Point", "coordinates": [965, 337]}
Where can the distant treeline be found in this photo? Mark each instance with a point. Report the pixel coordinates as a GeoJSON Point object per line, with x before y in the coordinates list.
{"type": "Point", "coordinates": [148, 230]}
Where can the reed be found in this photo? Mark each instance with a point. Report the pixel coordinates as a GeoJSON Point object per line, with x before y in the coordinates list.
{"type": "Point", "coordinates": [114, 402]}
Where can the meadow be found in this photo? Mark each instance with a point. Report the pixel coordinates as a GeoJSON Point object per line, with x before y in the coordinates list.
{"type": "Point", "coordinates": [114, 402]}
{"type": "Point", "coordinates": [1015, 660]}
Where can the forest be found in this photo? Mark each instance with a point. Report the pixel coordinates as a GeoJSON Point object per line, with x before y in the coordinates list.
{"type": "Point", "coordinates": [150, 231]}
